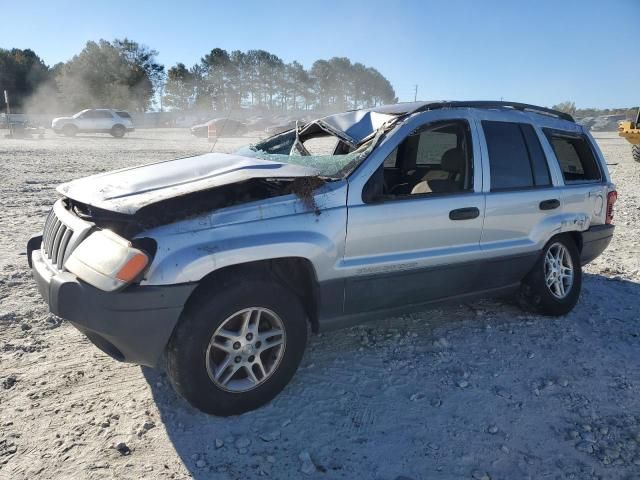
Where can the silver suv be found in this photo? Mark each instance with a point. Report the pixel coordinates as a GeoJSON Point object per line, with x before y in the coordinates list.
{"type": "Point", "coordinates": [215, 266]}
{"type": "Point", "coordinates": [98, 120]}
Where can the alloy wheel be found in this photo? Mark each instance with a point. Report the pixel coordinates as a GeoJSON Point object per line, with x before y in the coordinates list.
{"type": "Point", "coordinates": [558, 270]}
{"type": "Point", "coordinates": [245, 349]}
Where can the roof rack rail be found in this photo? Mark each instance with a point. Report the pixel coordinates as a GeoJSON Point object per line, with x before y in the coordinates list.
{"type": "Point", "coordinates": [495, 104]}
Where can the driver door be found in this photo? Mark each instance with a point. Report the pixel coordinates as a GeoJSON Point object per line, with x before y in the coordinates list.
{"type": "Point", "coordinates": [409, 242]}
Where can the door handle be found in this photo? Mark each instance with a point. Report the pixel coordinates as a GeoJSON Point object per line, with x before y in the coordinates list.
{"type": "Point", "coordinates": [549, 204]}
{"type": "Point", "coordinates": [464, 213]}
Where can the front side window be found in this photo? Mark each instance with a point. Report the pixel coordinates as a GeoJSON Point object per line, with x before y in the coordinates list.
{"type": "Point", "coordinates": [576, 159]}
{"type": "Point", "coordinates": [433, 145]}
{"type": "Point", "coordinates": [516, 159]}
{"type": "Point", "coordinates": [436, 159]}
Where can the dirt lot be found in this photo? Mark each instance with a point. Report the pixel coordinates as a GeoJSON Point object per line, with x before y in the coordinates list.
{"type": "Point", "coordinates": [479, 390]}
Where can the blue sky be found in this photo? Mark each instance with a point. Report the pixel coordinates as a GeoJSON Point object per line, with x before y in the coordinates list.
{"type": "Point", "coordinates": [540, 52]}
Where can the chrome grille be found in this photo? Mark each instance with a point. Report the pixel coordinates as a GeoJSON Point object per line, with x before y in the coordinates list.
{"type": "Point", "coordinates": [55, 239]}
{"type": "Point", "coordinates": [63, 232]}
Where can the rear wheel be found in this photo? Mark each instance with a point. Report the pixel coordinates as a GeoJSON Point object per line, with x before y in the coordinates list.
{"type": "Point", "coordinates": [553, 285]}
{"type": "Point", "coordinates": [70, 130]}
{"type": "Point", "coordinates": [118, 131]}
{"type": "Point", "coordinates": [635, 151]}
{"type": "Point", "coordinates": [236, 350]}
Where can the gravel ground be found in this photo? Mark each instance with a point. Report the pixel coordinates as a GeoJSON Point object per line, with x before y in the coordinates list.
{"type": "Point", "coordinates": [480, 390]}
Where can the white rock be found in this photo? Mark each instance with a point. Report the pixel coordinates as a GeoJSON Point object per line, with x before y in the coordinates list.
{"type": "Point", "coordinates": [307, 466]}
{"type": "Point", "coordinates": [479, 475]}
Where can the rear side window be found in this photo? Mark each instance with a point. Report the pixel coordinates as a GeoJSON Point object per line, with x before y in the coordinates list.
{"type": "Point", "coordinates": [577, 161]}
{"type": "Point", "coordinates": [516, 158]}
{"type": "Point", "coordinates": [124, 114]}
{"type": "Point", "coordinates": [539, 165]}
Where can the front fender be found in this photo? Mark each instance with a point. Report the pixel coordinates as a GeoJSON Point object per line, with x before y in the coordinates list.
{"type": "Point", "coordinates": [191, 249]}
{"type": "Point", "coordinates": [195, 261]}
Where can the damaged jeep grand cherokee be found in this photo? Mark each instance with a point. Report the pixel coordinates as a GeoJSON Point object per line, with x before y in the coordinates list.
{"type": "Point", "coordinates": [215, 267]}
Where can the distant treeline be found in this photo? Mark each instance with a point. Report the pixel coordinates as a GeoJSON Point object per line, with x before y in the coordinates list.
{"type": "Point", "coordinates": [256, 77]}
{"type": "Point", "coordinates": [570, 108]}
{"type": "Point", "coordinates": [125, 74]}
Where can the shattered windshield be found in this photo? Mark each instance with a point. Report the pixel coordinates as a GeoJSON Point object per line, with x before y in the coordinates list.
{"type": "Point", "coordinates": [329, 155]}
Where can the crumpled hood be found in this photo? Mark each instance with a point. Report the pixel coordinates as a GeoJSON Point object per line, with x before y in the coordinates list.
{"type": "Point", "coordinates": [130, 189]}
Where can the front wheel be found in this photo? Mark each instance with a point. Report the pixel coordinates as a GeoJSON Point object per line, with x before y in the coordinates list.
{"type": "Point", "coordinates": [635, 151]}
{"type": "Point", "coordinates": [236, 350]}
{"type": "Point", "coordinates": [69, 130]}
{"type": "Point", "coordinates": [553, 285]}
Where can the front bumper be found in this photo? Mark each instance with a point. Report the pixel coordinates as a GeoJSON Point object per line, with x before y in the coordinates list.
{"type": "Point", "coordinates": [133, 325]}
{"type": "Point", "coordinates": [594, 241]}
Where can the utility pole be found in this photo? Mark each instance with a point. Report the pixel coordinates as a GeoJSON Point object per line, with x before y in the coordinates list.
{"type": "Point", "coordinates": [415, 93]}
{"type": "Point", "coordinates": [6, 100]}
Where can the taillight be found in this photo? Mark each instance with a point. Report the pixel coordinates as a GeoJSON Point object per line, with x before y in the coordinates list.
{"type": "Point", "coordinates": [611, 200]}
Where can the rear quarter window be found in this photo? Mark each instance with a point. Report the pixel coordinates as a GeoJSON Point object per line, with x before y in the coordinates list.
{"type": "Point", "coordinates": [575, 156]}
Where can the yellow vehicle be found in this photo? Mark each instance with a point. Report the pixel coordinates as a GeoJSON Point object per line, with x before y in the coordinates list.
{"type": "Point", "coordinates": [631, 131]}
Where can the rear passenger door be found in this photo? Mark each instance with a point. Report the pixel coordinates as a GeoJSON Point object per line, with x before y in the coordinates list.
{"type": "Point", "coordinates": [584, 193]}
{"type": "Point", "coordinates": [521, 201]}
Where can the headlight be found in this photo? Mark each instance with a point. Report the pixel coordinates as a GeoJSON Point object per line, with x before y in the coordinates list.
{"type": "Point", "coordinates": [107, 261]}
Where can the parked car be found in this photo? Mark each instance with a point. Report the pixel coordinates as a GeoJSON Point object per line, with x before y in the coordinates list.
{"type": "Point", "coordinates": [221, 127]}
{"type": "Point", "coordinates": [220, 263]}
{"type": "Point", "coordinates": [94, 120]}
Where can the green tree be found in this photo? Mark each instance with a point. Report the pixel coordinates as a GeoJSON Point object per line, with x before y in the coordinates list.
{"type": "Point", "coordinates": [566, 107]}
{"type": "Point", "coordinates": [122, 74]}
{"type": "Point", "coordinates": [22, 72]}
{"type": "Point", "coordinates": [179, 90]}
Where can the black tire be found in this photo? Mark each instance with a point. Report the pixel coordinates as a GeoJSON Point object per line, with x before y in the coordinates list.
{"type": "Point", "coordinates": [118, 131]}
{"type": "Point", "coordinates": [635, 152]}
{"type": "Point", "coordinates": [537, 297]}
{"type": "Point", "coordinates": [69, 130]}
{"type": "Point", "coordinates": [187, 349]}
